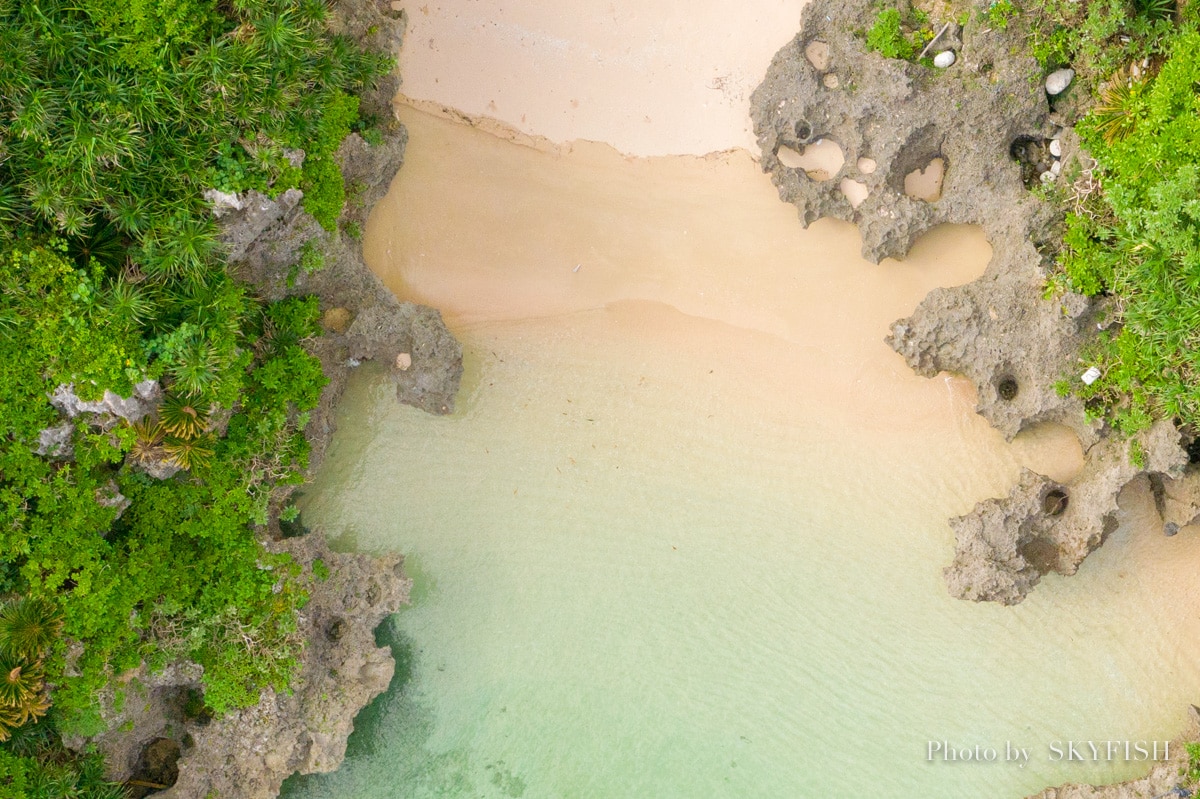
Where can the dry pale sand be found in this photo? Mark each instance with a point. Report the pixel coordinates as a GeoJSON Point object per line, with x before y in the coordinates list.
{"type": "Point", "coordinates": [650, 78]}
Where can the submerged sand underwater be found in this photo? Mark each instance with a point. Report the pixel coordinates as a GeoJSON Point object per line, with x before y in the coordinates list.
{"type": "Point", "coordinates": [684, 535]}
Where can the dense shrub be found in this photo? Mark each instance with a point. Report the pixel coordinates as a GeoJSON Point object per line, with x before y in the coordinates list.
{"type": "Point", "coordinates": [1141, 244]}
{"type": "Point", "coordinates": [117, 116]}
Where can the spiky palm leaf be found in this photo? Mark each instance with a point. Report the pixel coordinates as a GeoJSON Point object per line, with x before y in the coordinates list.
{"type": "Point", "coordinates": [21, 686]}
{"type": "Point", "coordinates": [1155, 10]}
{"type": "Point", "coordinates": [10, 719]}
{"type": "Point", "coordinates": [189, 454]}
{"type": "Point", "coordinates": [28, 626]}
{"type": "Point", "coordinates": [182, 417]}
{"type": "Point", "coordinates": [197, 368]}
{"type": "Point", "coordinates": [148, 442]}
{"type": "Point", "coordinates": [1120, 107]}
{"type": "Point", "coordinates": [130, 303]}
{"type": "Point", "coordinates": [102, 243]}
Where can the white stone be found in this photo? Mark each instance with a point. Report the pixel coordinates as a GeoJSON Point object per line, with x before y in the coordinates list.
{"type": "Point", "coordinates": [1056, 167]}
{"type": "Point", "coordinates": [1048, 177]}
{"type": "Point", "coordinates": [1056, 148]}
{"type": "Point", "coordinates": [403, 361]}
{"type": "Point", "coordinates": [222, 202]}
{"type": "Point", "coordinates": [1090, 376]}
{"type": "Point", "coordinates": [1058, 81]}
{"type": "Point", "coordinates": [943, 59]}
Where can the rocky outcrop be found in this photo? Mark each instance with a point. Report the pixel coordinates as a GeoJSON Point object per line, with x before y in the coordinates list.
{"type": "Point", "coordinates": [1004, 546]}
{"type": "Point", "coordinates": [161, 734]}
{"type": "Point", "coordinates": [248, 754]}
{"type": "Point", "coordinates": [267, 240]}
{"type": "Point", "coordinates": [892, 118]}
{"type": "Point", "coordinates": [989, 124]}
{"type": "Point", "coordinates": [57, 441]}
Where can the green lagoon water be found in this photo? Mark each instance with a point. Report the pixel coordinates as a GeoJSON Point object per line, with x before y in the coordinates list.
{"type": "Point", "coordinates": [644, 568]}
{"type": "Point", "coordinates": [683, 537]}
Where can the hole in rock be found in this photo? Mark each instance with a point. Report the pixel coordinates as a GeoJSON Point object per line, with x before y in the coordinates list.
{"type": "Point", "coordinates": [1007, 388]}
{"type": "Point", "coordinates": [336, 630]}
{"type": "Point", "coordinates": [821, 160]}
{"type": "Point", "coordinates": [157, 768]}
{"type": "Point", "coordinates": [867, 166]}
{"type": "Point", "coordinates": [817, 53]}
{"type": "Point", "coordinates": [1033, 155]}
{"type": "Point", "coordinates": [1055, 502]}
{"type": "Point", "coordinates": [1193, 450]}
{"type": "Point", "coordinates": [1051, 449]}
{"type": "Point", "coordinates": [803, 131]}
{"type": "Point", "coordinates": [1040, 554]}
{"type": "Point", "coordinates": [854, 191]}
{"type": "Point", "coordinates": [919, 166]}
{"type": "Point", "coordinates": [926, 184]}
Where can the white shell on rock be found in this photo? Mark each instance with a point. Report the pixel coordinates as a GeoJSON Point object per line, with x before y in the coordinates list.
{"type": "Point", "coordinates": [943, 59]}
{"type": "Point", "coordinates": [1048, 177]}
{"type": "Point", "coordinates": [1058, 81]}
{"type": "Point", "coordinates": [1056, 148]}
{"type": "Point", "coordinates": [1056, 167]}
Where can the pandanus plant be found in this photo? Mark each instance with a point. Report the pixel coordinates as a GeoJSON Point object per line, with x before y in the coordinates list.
{"type": "Point", "coordinates": [1121, 106]}
{"type": "Point", "coordinates": [28, 627]}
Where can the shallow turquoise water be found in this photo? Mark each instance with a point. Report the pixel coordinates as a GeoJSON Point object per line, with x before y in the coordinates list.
{"type": "Point", "coordinates": [644, 567]}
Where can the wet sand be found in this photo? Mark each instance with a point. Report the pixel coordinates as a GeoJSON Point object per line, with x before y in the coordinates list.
{"type": "Point", "coordinates": [486, 230]}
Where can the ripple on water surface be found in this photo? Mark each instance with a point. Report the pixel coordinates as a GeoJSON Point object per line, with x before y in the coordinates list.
{"type": "Point", "coordinates": [684, 537]}
{"type": "Point", "coordinates": [635, 579]}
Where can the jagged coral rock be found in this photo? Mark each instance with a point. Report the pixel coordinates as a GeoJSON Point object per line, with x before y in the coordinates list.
{"type": "Point", "coordinates": [981, 118]}
{"type": "Point", "coordinates": [1004, 546]}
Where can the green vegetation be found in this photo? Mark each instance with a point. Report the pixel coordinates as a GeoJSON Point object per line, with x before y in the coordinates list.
{"type": "Point", "coordinates": [999, 13]}
{"type": "Point", "coordinates": [896, 35]}
{"type": "Point", "coordinates": [1097, 37]}
{"type": "Point", "coordinates": [1139, 241]}
{"type": "Point", "coordinates": [118, 116]}
{"type": "Point", "coordinates": [887, 38]}
{"type": "Point", "coordinates": [34, 765]}
{"type": "Point", "coordinates": [1193, 766]}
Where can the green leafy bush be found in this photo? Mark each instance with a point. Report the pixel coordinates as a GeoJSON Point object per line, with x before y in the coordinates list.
{"type": "Point", "coordinates": [887, 38]}
{"type": "Point", "coordinates": [117, 116]}
{"type": "Point", "coordinates": [1141, 244]}
{"type": "Point", "coordinates": [999, 12]}
{"type": "Point", "coordinates": [324, 190]}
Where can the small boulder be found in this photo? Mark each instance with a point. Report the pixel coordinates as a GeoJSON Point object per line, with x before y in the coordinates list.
{"type": "Point", "coordinates": [1058, 81]}
{"type": "Point", "coordinates": [943, 59]}
{"type": "Point", "coordinates": [223, 202]}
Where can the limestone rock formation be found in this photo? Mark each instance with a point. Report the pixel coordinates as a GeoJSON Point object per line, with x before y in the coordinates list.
{"type": "Point", "coordinates": [265, 241]}
{"type": "Point", "coordinates": [990, 124]}
{"type": "Point", "coordinates": [1004, 546]}
{"type": "Point", "coordinates": [249, 753]}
